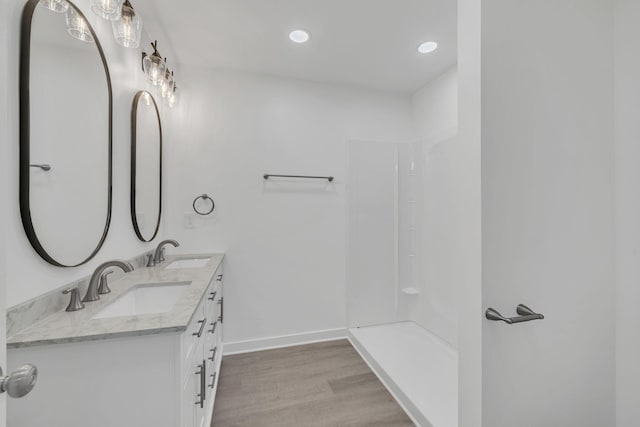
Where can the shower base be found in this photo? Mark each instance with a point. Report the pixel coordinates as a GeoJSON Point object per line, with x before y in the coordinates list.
{"type": "Point", "coordinates": [419, 369]}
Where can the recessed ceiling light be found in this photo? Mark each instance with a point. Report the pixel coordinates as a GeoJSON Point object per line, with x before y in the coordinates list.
{"type": "Point", "coordinates": [427, 47]}
{"type": "Point", "coordinates": [299, 36]}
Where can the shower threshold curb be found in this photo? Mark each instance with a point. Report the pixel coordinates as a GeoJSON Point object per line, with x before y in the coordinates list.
{"type": "Point", "coordinates": [417, 417]}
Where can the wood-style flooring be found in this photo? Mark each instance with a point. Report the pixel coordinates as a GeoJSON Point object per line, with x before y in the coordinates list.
{"type": "Point", "coordinates": [316, 385]}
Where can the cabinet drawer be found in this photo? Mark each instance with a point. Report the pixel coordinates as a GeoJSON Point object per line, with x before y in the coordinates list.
{"type": "Point", "coordinates": [214, 293]}
{"type": "Point", "coordinates": [211, 303]}
{"type": "Point", "coordinates": [211, 352]}
{"type": "Point", "coordinates": [212, 378]}
{"type": "Point", "coordinates": [212, 333]}
{"type": "Point", "coordinates": [219, 275]}
{"type": "Point", "coordinates": [195, 331]}
{"type": "Point", "coordinates": [213, 361]}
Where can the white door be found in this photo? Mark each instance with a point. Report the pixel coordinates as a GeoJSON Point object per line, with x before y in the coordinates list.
{"type": "Point", "coordinates": [547, 213]}
{"type": "Point", "coordinates": [4, 141]}
{"type": "Point", "coordinates": [3, 341]}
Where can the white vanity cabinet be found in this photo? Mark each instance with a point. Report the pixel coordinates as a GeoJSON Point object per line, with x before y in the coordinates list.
{"type": "Point", "coordinates": [201, 351]}
{"type": "Point", "coordinates": [154, 379]}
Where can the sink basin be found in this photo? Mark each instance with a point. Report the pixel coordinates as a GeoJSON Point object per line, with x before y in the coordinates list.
{"type": "Point", "coordinates": [147, 298]}
{"type": "Point", "coordinates": [188, 263]}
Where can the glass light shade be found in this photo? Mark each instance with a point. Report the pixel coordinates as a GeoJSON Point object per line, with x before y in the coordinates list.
{"type": "Point", "coordinates": [167, 84]}
{"type": "Point", "coordinates": [107, 9]}
{"type": "Point", "coordinates": [146, 98]}
{"type": "Point", "coordinates": [77, 26]}
{"type": "Point", "coordinates": [173, 100]}
{"type": "Point", "coordinates": [58, 6]}
{"type": "Point", "coordinates": [154, 68]}
{"type": "Point", "coordinates": [127, 30]}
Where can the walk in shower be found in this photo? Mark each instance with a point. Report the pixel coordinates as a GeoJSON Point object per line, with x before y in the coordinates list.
{"type": "Point", "coordinates": [396, 312]}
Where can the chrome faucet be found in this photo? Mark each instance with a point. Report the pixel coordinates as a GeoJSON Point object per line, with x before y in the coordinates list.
{"type": "Point", "coordinates": [94, 282]}
{"type": "Point", "coordinates": [158, 256]}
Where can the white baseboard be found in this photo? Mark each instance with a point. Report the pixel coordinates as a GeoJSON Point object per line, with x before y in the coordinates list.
{"type": "Point", "coordinates": [248, 346]}
{"type": "Point", "coordinates": [405, 403]}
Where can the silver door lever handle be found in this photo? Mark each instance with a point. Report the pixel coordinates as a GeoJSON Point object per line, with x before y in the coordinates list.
{"type": "Point", "coordinates": [525, 315]}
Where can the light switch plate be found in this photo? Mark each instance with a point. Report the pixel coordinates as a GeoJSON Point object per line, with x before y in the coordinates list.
{"type": "Point", "coordinates": [190, 220]}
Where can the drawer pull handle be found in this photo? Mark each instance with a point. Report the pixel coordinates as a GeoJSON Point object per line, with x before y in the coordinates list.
{"type": "Point", "coordinates": [213, 296]}
{"type": "Point", "coordinates": [213, 379]}
{"type": "Point", "coordinates": [203, 375]}
{"type": "Point", "coordinates": [202, 323]}
{"type": "Point", "coordinates": [213, 328]}
{"type": "Point", "coordinates": [219, 278]}
{"type": "Point", "coordinates": [214, 350]}
{"type": "Point", "coordinates": [221, 302]}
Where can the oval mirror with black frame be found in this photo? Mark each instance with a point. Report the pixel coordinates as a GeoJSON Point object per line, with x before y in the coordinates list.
{"type": "Point", "coordinates": [65, 134]}
{"type": "Point", "coordinates": [146, 166]}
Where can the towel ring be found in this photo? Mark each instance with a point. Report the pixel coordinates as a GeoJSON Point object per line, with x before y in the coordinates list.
{"type": "Point", "coordinates": [203, 197]}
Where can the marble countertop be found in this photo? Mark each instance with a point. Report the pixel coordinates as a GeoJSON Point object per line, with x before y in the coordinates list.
{"type": "Point", "coordinates": [66, 327]}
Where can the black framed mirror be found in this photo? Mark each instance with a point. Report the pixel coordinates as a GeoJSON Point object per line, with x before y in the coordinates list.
{"type": "Point", "coordinates": [146, 166]}
{"type": "Point", "coordinates": [65, 134]}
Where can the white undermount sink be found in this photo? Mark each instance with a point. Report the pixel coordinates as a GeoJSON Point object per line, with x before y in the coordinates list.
{"type": "Point", "coordinates": [188, 263]}
{"type": "Point", "coordinates": [148, 298]}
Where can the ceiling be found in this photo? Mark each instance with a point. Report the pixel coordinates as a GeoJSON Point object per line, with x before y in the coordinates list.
{"type": "Point", "coordinates": [366, 43]}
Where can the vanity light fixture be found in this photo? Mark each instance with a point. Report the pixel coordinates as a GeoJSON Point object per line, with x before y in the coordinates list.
{"type": "Point", "coordinates": [107, 9]}
{"type": "Point", "coordinates": [127, 29]}
{"type": "Point", "coordinates": [154, 66]}
{"type": "Point", "coordinates": [58, 6]}
{"type": "Point", "coordinates": [427, 47]}
{"type": "Point", "coordinates": [173, 100]}
{"type": "Point", "coordinates": [167, 84]}
{"type": "Point", "coordinates": [146, 98]}
{"type": "Point", "coordinates": [299, 36]}
{"type": "Point", "coordinates": [77, 26]}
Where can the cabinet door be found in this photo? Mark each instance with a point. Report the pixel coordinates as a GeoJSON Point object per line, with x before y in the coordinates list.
{"type": "Point", "coordinates": [189, 399]}
{"type": "Point", "coordinates": [195, 390]}
{"type": "Point", "coordinates": [202, 394]}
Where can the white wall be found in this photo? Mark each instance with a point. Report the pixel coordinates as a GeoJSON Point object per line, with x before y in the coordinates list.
{"type": "Point", "coordinates": [27, 274]}
{"type": "Point", "coordinates": [435, 115]}
{"type": "Point", "coordinates": [627, 91]}
{"type": "Point", "coordinates": [285, 242]}
{"type": "Point", "coordinates": [547, 212]}
{"type": "Point", "coordinates": [435, 107]}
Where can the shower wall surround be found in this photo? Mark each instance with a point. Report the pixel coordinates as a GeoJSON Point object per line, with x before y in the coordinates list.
{"type": "Point", "coordinates": [440, 236]}
{"type": "Point", "coordinates": [27, 275]}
